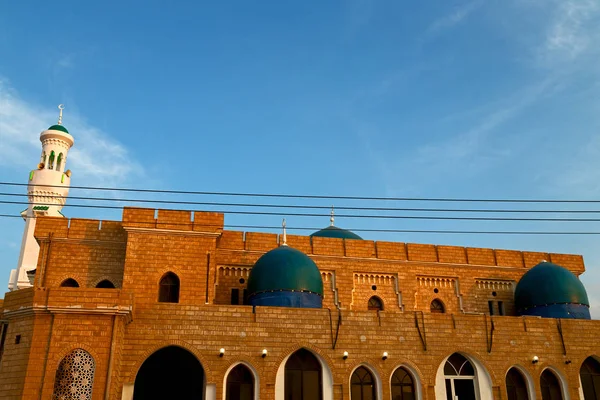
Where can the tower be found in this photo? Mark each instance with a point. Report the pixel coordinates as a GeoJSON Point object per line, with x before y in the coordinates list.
{"type": "Point", "coordinates": [47, 191]}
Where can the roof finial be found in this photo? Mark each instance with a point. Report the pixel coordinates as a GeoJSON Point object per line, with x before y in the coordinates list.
{"type": "Point", "coordinates": [60, 107]}
{"type": "Point", "coordinates": [284, 233]}
{"type": "Point", "coordinates": [332, 218]}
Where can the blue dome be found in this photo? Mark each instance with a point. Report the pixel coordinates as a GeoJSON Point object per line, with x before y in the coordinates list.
{"type": "Point", "coordinates": [285, 277]}
{"type": "Point", "coordinates": [549, 290]}
{"type": "Point", "coordinates": [335, 232]}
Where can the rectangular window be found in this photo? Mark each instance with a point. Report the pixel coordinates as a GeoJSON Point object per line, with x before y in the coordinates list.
{"type": "Point", "coordinates": [501, 308]}
{"type": "Point", "coordinates": [245, 299]}
{"type": "Point", "coordinates": [235, 296]}
{"type": "Point", "coordinates": [491, 307]}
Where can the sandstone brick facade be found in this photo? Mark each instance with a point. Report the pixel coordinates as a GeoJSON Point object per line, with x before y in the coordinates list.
{"type": "Point", "coordinates": [121, 327]}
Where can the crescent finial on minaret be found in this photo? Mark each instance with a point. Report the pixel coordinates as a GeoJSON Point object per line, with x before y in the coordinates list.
{"type": "Point", "coordinates": [332, 218]}
{"type": "Point", "coordinates": [61, 107]}
{"type": "Point", "coordinates": [284, 233]}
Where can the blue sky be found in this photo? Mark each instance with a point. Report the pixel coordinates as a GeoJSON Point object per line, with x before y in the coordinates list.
{"type": "Point", "coordinates": [464, 99]}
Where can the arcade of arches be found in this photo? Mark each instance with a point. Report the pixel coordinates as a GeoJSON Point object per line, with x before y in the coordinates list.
{"type": "Point", "coordinates": [304, 379]}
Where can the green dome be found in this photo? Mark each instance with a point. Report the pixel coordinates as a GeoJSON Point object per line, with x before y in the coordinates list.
{"type": "Point", "coordinates": [58, 128]}
{"type": "Point", "coordinates": [548, 283]}
{"type": "Point", "coordinates": [335, 232]}
{"type": "Point", "coordinates": [285, 268]}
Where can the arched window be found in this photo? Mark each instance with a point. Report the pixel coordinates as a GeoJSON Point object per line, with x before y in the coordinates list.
{"type": "Point", "coordinates": [69, 282]}
{"type": "Point", "coordinates": [59, 161]}
{"type": "Point", "coordinates": [43, 160]}
{"type": "Point", "coordinates": [74, 377]}
{"type": "Point", "coordinates": [51, 160]}
{"type": "Point", "coordinates": [590, 379]}
{"type": "Point", "coordinates": [240, 384]}
{"type": "Point", "coordinates": [375, 303]}
{"type": "Point", "coordinates": [168, 291]}
{"type": "Point", "coordinates": [550, 386]}
{"type": "Point", "coordinates": [516, 387]}
{"type": "Point", "coordinates": [362, 385]}
{"type": "Point", "coordinates": [105, 284]}
{"type": "Point", "coordinates": [460, 378]}
{"type": "Point", "coordinates": [437, 307]}
{"type": "Point", "coordinates": [303, 380]}
{"type": "Point", "coordinates": [403, 387]}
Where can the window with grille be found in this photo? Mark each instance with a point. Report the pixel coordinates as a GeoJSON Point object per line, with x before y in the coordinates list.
{"type": "Point", "coordinates": [403, 386]}
{"type": "Point", "coordinates": [74, 377]}
{"type": "Point", "coordinates": [362, 385]}
{"type": "Point", "coordinates": [437, 307]}
{"type": "Point", "coordinates": [375, 303]}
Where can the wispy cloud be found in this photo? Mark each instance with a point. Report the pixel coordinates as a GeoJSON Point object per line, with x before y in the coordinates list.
{"type": "Point", "coordinates": [574, 27]}
{"type": "Point", "coordinates": [453, 19]}
{"type": "Point", "coordinates": [96, 158]}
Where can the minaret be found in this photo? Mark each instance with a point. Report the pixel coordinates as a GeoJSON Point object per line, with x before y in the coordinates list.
{"type": "Point", "coordinates": [47, 191]}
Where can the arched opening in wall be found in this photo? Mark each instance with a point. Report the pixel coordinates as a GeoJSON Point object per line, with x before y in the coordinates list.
{"type": "Point", "coordinates": [551, 389]}
{"type": "Point", "coordinates": [403, 386]}
{"type": "Point", "coordinates": [437, 306]}
{"type": "Point", "coordinates": [43, 160]}
{"type": "Point", "coordinates": [170, 373]}
{"type": "Point", "coordinates": [362, 385]}
{"type": "Point", "coordinates": [105, 284]}
{"type": "Point", "coordinates": [74, 377]}
{"type": "Point", "coordinates": [590, 379]}
{"type": "Point", "coordinates": [59, 161]}
{"type": "Point", "coordinates": [303, 377]}
{"type": "Point", "coordinates": [516, 386]}
{"type": "Point", "coordinates": [69, 282]}
{"type": "Point", "coordinates": [168, 291]}
{"type": "Point", "coordinates": [240, 384]}
{"type": "Point", "coordinates": [459, 375]}
{"type": "Point", "coordinates": [51, 160]}
{"type": "Point", "coordinates": [375, 304]}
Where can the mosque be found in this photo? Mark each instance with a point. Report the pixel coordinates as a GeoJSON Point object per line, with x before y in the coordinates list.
{"type": "Point", "coordinates": [167, 304]}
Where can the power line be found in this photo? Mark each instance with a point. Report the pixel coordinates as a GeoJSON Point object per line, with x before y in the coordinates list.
{"type": "Point", "coordinates": [368, 230]}
{"type": "Point", "coordinates": [294, 214]}
{"type": "Point", "coordinates": [317, 207]}
{"type": "Point", "coordinates": [326, 197]}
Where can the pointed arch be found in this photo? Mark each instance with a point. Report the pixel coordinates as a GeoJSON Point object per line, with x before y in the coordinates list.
{"type": "Point", "coordinates": [168, 288]}
{"type": "Point", "coordinates": [51, 160]}
{"type": "Point", "coordinates": [404, 384]}
{"type": "Point", "coordinates": [552, 385]}
{"type": "Point", "coordinates": [75, 376]}
{"type": "Point", "coordinates": [518, 384]}
{"type": "Point", "coordinates": [469, 374]}
{"type": "Point", "coordinates": [326, 392]}
{"type": "Point", "coordinates": [375, 304]}
{"type": "Point", "coordinates": [241, 382]}
{"type": "Point", "coordinates": [364, 382]}
{"type": "Point", "coordinates": [589, 374]}
{"type": "Point", "coordinates": [59, 161]}
{"type": "Point", "coordinates": [69, 282]}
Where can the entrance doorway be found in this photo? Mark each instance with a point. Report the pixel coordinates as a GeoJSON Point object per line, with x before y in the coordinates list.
{"type": "Point", "coordinates": [170, 373]}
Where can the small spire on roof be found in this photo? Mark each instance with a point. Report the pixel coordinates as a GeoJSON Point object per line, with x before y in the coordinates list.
{"type": "Point", "coordinates": [284, 233]}
{"type": "Point", "coordinates": [60, 107]}
{"type": "Point", "coordinates": [332, 218]}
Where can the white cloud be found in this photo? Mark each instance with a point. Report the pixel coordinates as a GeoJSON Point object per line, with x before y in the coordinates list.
{"type": "Point", "coordinates": [454, 18]}
{"type": "Point", "coordinates": [95, 159]}
{"type": "Point", "coordinates": [574, 26]}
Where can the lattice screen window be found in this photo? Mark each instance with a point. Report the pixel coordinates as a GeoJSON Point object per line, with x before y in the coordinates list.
{"type": "Point", "coordinates": [75, 376]}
